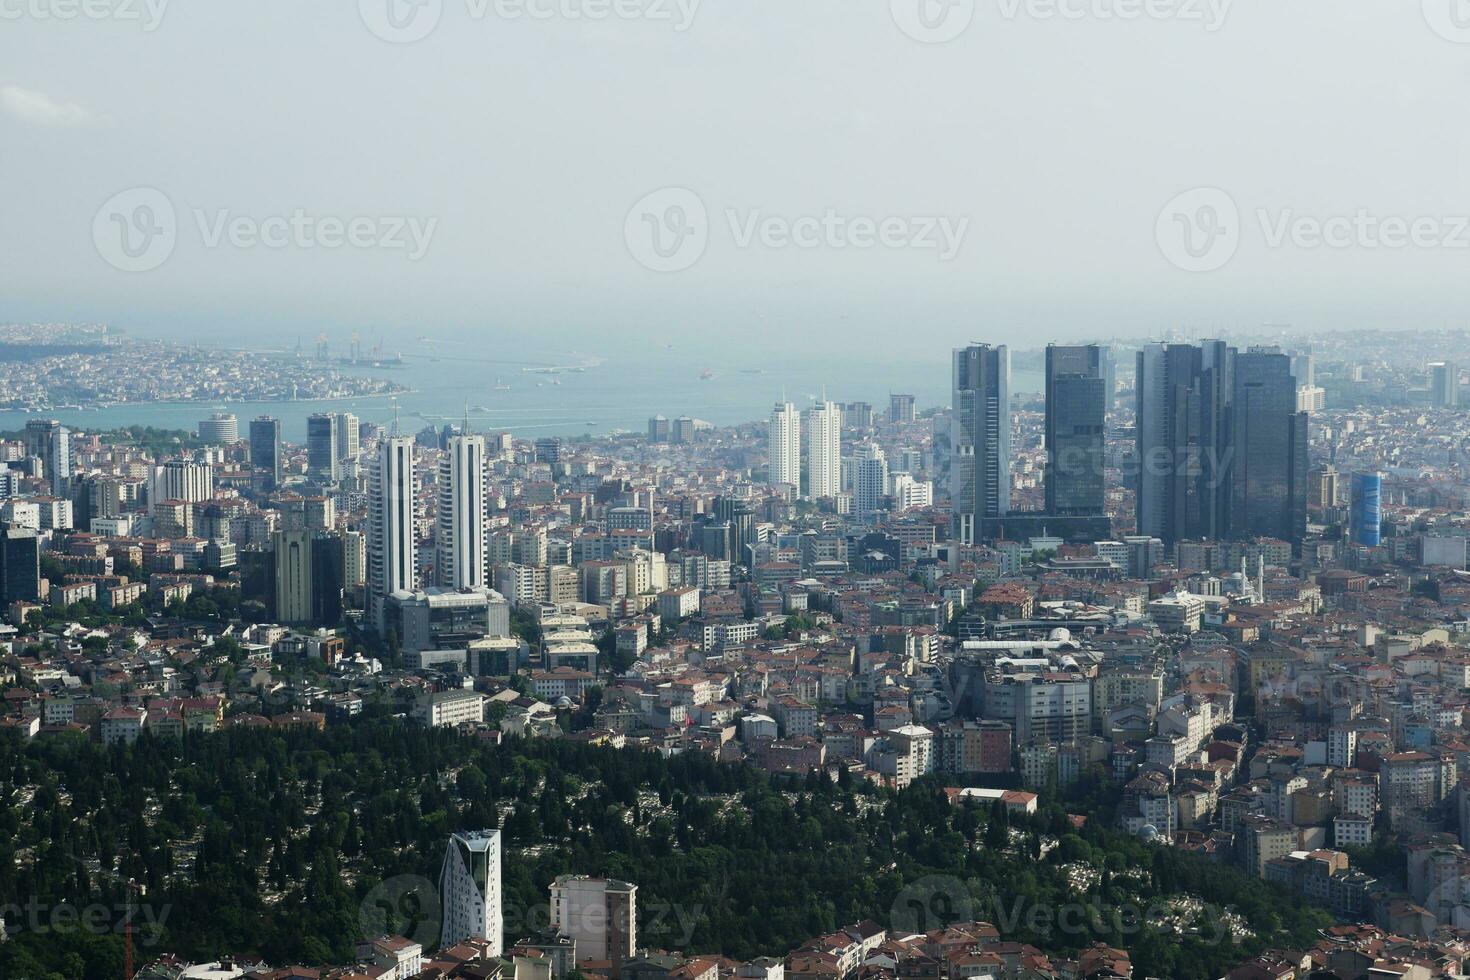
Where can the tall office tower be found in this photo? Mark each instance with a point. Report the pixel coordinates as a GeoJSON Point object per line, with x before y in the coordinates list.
{"type": "Point", "coordinates": [601, 914]}
{"type": "Point", "coordinates": [180, 479]}
{"type": "Point", "coordinates": [461, 514]}
{"type": "Point", "coordinates": [322, 454]}
{"type": "Point", "coordinates": [980, 439]}
{"type": "Point", "coordinates": [265, 452]}
{"type": "Point", "coordinates": [870, 479]}
{"type": "Point", "coordinates": [221, 429]}
{"type": "Point", "coordinates": [50, 442]}
{"type": "Point", "coordinates": [1076, 414]}
{"type": "Point", "coordinates": [293, 576]}
{"type": "Point", "coordinates": [785, 445]}
{"type": "Point", "coordinates": [1110, 379]}
{"type": "Point", "coordinates": [682, 430]}
{"type": "Point", "coordinates": [1367, 512]}
{"type": "Point", "coordinates": [20, 565]}
{"type": "Point", "coordinates": [392, 547]}
{"type": "Point", "coordinates": [824, 450]}
{"type": "Point", "coordinates": [548, 450]}
{"type": "Point", "coordinates": [1444, 384]}
{"type": "Point", "coordinates": [469, 888]}
{"type": "Point", "coordinates": [1303, 369]}
{"type": "Point", "coordinates": [349, 436]}
{"type": "Point", "coordinates": [1269, 464]}
{"type": "Point", "coordinates": [900, 408]}
{"type": "Point", "coordinates": [658, 429]}
{"type": "Point", "coordinates": [354, 559]}
{"type": "Point", "coordinates": [1183, 446]}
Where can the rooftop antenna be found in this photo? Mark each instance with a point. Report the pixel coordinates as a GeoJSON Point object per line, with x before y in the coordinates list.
{"type": "Point", "coordinates": [466, 416]}
{"type": "Point", "coordinates": [395, 417]}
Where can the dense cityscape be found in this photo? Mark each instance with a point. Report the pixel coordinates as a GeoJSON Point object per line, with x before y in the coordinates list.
{"type": "Point", "coordinates": [1163, 671]}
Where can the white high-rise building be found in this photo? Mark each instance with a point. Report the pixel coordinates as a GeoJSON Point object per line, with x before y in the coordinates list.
{"type": "Point", "coordinates": [461, 519]}
{"type": "Point", "coordinates": [180, 479]}
{"type": "Point", "coordinates": [469, 888]}
{"type": "Point", "coordinates": [785, 445]}
{"type": "Point", "coordinates": [348, 435]}
{"type": "Point", "coordinates": [869, 478]}
{"type": "Point", "coordinates": [601, 914]}
{"type": "Point", "coordinates": [824, 450]}
{"type": "Point", "coordinates": [392, 552]}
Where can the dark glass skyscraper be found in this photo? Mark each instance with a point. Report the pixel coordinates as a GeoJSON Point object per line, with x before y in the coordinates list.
{"type": "Point", "coordinates": [1184, 449]}
{"type": "Point", "coordinates": [1076, 409]}
{"type": "Point", "coordinates": [321, 447]}
{"type": "Point", "coordinates": [1269, 468]}
{"type": "Point", "coordinates": [265, 451]}
{"type": "Point", "coordinates": [20, 565]}
{"type": "Point", "coordinates": [980, 465]}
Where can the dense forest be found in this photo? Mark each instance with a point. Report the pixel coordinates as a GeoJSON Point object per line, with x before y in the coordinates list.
{"type": "Point", "coordinates": [292, 844]}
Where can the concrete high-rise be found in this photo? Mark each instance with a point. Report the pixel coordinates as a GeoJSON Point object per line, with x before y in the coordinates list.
{"type": "Point", "coordinates": [50, 441]}
{"type": "Point", "coordinates": [870, 478]}
{"type": "Point", "coordinates": [1269, 439]}
{"type": "Point", "coordinates": [900, 408]}
{"type": "Point", "coordinates": [221, 429]}
{"type": "Point", "coordinates": [601, 914]}
{"type": "Point", "coordinates": [469, 890]}
{"type": "Point", "coordinates": [293, 576]}
{"type": "Point", "coordinates": [784, 441]}
{"type": "Point", "coordinates": [980, 439]}
{"type": "Point", "coordinates": [824, 450]}
{"type": "Point", "coordinates": [180, 479]}
{"type": "Point", "coordinates": [392, 545]}
{"type": "Point", "coordinates": [461, 514]}
{"type": "Point", "coordinates": [1183, 442]}
{"type": "Point", "coordinates": [1076, 414]}
{"type": "Point", "coordinates": [348, 436]}
{"type": "Point", "coordinates": [322, 454]}
{"type": "Point", "coordinates": [265, 452]}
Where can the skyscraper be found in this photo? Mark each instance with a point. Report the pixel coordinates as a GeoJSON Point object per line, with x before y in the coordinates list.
{"type": "Point", "coordinates": [348, 436]}
{"type": "Point", "coordinates": [1444, 384]}
{"type": "Point", "coordinates": [180, 479]}
{"type": "Point", "coordinates": [221, 428]}
{"type": "Point", "coordinates": [1367, 512]}
{"type": "Point", "coordinates": [322, 453]}
{"type": "Point", "coordinates": [1269, 464]}
{"type": "Point", "coordinates": [293, 576]}
{"type": "Point", "coordinates": [601, 914]}
{"type": "Point", "coordinates": [265, 452]}
{"type": "Point", "coordinates": [900, 408]}
{"type": "Point", "coordinates": [785, 445]}
{"type": "Point", "coordinates": [980, 439]}
{"type": "Point", "coordinates": [1076, 412]}
{"type": "Point", "coordinates": [392, 551]}
{"type": "Point", "coordinates": [469, 890]}
{"type": "Point", "coordinates": [870, 478]}
{"type": "Point", "coordinates": [1183, 445]}
{"type": "Point", "coordinates": [50, 441]}
{"type": "Point", "coordinates": [824, 450]}
{"type": "Point", "coordinates": [20, 565]}
{"type": "Point", "coordinates": [461, 514]}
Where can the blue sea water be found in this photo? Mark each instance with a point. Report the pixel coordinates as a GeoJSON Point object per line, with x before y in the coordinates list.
{"type": "Point", "coordinates": [611, 391]}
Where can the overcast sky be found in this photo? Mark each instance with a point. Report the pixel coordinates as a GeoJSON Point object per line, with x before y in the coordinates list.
{"type": "Point", "coordinates": [857, 172]}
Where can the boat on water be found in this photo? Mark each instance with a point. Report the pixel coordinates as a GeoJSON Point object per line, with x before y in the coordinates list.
{"type": "Point", "coordinates": [706, 375]}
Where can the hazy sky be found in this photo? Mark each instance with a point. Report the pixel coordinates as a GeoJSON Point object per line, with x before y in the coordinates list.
{"type": "Point", "coordinates": [1048, 138]}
